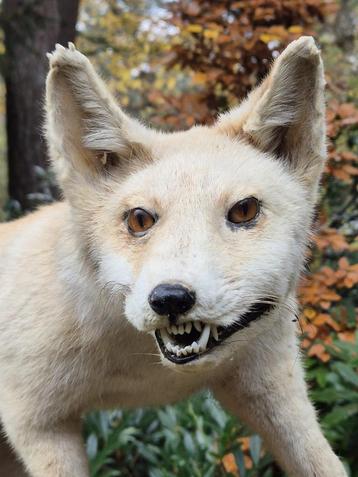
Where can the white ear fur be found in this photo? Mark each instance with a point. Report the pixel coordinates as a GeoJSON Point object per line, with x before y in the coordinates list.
{"type": "Point", "coordinates": [285, 115]}
{"type": "Point", "coordinates": [83, 122]}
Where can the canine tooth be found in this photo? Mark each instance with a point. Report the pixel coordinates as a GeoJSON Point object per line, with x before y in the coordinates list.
{"type": "Point", "coordinates": [188, 327]}
{"type": "Point", "coordinates": [181, 329]}
{"type": "Point", "coordinates": [165, 336]}
{"type": "Point", "coordinates": [203, 341]}
{"type": "Point", "coordinates": [197, 325]}
{"type": "Point", "coordinates": [214, 332]}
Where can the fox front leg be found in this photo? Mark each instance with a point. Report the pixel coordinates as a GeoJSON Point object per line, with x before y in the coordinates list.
{"type": "Point", "coordinates": [272, 399]}
{"type": "Point", "coordinates": [53, 452]}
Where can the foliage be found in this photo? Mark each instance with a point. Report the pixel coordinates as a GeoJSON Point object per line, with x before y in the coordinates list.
{"type": "Point", "coordinates": [194, 439]}
{"type": "Point", "coordinates": [335, 391]}
{"type": "Point", "coordinates": [329, 295]}
{"type": "Point", "coordinates": [228, 46]}
{"type": "Point", "coordinates": [126, 41]}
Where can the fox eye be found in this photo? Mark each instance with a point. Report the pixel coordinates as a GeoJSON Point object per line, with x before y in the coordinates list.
{"type": "Point", "coordinates": [244, 211]}
{"type": "Point", "coordinates": [139, 221]}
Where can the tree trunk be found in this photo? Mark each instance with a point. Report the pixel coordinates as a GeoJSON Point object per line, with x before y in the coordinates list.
{"type": "Point", "coordinates": [32, 28]}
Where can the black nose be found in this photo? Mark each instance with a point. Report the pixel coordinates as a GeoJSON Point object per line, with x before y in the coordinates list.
{"type": "Point", "coordinates": [171, 299]}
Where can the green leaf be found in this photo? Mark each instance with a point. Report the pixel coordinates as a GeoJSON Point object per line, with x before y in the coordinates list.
{"type": "Point", "coordinates": [92, 446]}
{"type": "Point", "coordinates": [255, 448]}
{"type": "Point", "coordinates": [346, 372]}
{"type": "Point", "coordinates": [239, 458]}
{"type": "Point", "coordinates": [340, 414]}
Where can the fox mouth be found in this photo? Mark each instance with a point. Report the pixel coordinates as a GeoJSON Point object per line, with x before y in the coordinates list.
{"type": "Point", "coordinates": [189, 341]}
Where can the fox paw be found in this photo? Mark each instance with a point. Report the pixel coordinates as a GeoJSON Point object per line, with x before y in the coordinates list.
{"type": "Point", "coordinates": [67, 57]}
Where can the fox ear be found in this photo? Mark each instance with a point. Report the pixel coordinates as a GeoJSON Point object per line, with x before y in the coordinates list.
{"type": "Point", "coordinates": [87, 132]}
{"type": "Point", "coordinates": [285, 115]}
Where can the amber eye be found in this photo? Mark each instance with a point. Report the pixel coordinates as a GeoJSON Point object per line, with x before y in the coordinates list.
{"type": "Point", "coordinates": [139, 221]}
{"type": "Point", "coordinates": [244, 211]}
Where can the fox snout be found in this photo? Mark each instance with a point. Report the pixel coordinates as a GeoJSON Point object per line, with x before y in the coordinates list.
{"type": "Point", "coordinates": [171, 300]}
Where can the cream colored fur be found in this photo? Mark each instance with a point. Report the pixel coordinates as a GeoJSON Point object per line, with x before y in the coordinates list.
{"type": "Point", "coordinates": [76, 330]}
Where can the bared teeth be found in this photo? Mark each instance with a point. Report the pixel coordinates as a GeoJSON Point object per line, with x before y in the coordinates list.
{"type": "Point", "coordinates": [165, 336]}
{"type": "Point", "coordinates": [206, 330]}
{"type": "Point", "coordinates": [195, 347]}
{"type": "Point", "coordinates": [214, 332]}
{"type": "Point", "coordinates": [204, 338]}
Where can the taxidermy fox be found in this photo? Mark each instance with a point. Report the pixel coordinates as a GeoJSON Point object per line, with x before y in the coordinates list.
{"type": "Point", "coordinates": [170, 267]}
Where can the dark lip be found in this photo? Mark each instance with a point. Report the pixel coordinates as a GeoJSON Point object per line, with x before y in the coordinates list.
{"type": "Point", "coordinates": [256, 312]}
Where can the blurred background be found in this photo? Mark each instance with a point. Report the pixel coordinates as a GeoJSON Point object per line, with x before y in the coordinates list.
{"type": "Point", "coordinates": [174, 64]}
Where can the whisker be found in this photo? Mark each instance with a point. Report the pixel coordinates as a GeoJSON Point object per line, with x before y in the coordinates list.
{"type": "Point", "coordinates": [145, 354]}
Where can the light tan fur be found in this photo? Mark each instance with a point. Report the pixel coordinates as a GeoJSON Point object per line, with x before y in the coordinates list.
{"type": "Point", "coordinates": [76, 329]}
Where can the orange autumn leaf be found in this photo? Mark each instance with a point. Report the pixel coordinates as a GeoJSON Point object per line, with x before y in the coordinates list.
{"type": "Point", "coordinates": [353, 171]}
{"type": "Point", "coordinates": [333, 324]}
{"type": "Point", "coordinates": [348, 336]}
{"type": "Point", "coordinates": [229, 464]}
{"type": "Point", "coordinates": [248, 462]}
{"type": "Point", "coordinates": [351, 280]}
{"type": "Point", "coordinates": [330, 295]}
{"type": "Point", "coordinates": [319, 351]}
{"type": "Point", "coordinates": [343, 263]}
{"type": "Point", "coordinates": [347, 110]}
{"type": "Point", "coordinates": [305, 343]}
{"type": "Point", "coordinates": [331, 238]}
{"type": "Point", "coordinates": [349, 156]}
{"type": "Point", "coordinates": [326, 305]}
{"type": "Point", "coordinates": [321, 319]}
{"type": "Point", "coordinates": [310, 330]}
{"type": "Point", "coordinates": [309, 313]}
{"type": "Point", "coordinates": [245, 443]}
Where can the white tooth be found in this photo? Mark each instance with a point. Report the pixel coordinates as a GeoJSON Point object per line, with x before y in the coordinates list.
{"type": "Point", "coordinates": [195, 347]}
{"type": "Point", "coordinates": [181, 329]}
{"type": "Point", "coordinates": [189, 349]}
{"type": "Point", "coordinates": [169, 347]}
{"type": "Point", "coordinates": [165, 336]}
{"type": "Point", "coordinates": [203, 341]}
{"type": "Point", "coordinates": [177, 350]}
{"type": "Point", "coordinates": [188, 327]}
{"type": "Point", "coordinates": [197, 325]}
{"type": "Point", "coordinates": [214, 332]}
{"type": "Point", "coordinates": [174, 330]}
{"type": "Point", "coordinates": [184, 351]}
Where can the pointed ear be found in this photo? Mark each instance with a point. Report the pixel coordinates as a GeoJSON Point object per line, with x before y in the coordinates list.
{"type": "Point", "coordinates": [285, 115]}
{"type": "Point", "coordinates": [87, 132]}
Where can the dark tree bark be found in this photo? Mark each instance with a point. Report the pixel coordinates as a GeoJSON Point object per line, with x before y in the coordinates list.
{"type": "Point", "coordinates": [32, 28]}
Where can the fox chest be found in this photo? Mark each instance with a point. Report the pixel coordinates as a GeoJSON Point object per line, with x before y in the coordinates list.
{"type": "Point", "coordinates": [130, 373]}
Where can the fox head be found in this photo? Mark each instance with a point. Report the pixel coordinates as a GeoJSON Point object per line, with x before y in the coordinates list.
{"type": "Point", "coordinates": [202, 231]}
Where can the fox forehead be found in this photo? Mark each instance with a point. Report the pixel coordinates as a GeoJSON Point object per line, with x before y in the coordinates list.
{"type": "Point", "coordinates": [204, 163]}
